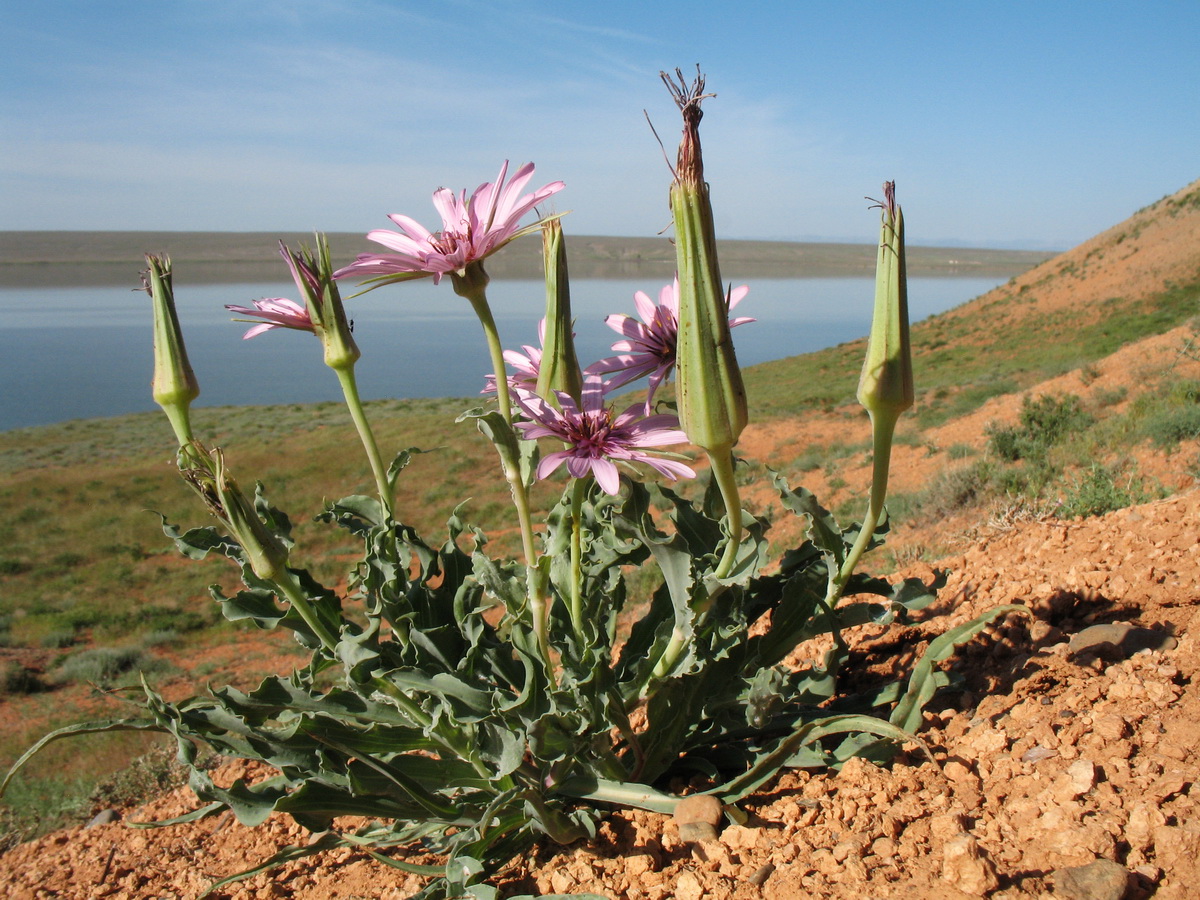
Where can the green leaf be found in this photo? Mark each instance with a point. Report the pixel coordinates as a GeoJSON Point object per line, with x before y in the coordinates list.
{"type": "Point", "coordinates": [770, 763]}
{"type": "Point", "coordinates": [71, 731]}
{"type": "Point", "coordinates": [924, 682]}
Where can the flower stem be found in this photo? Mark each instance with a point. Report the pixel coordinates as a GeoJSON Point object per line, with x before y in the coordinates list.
{"type": "Point", "coordinates": [473, 286]}
{"type": "Point", "coordinates": [367, 436]}
{"type": "Point", "coordinates": [721, 461]}
{"type": "Point", "coordinates": [294, 594]}
{"type": "Point", "coordinates": [884, 428]}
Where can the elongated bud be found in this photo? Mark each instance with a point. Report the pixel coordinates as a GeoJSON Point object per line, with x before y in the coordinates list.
{"type": "Point", "coordinates": [313, 274]}
{"type": "Point", "coordinates": [886, 385]}
{"type": "Point", "coordinates": [205, 471]}
{"type": "Point", "coordinates": [174, 386]}
{"type": "Point", "coordinates": [709, 389]}
{"type": "Point", "coordinates": [559, 370]}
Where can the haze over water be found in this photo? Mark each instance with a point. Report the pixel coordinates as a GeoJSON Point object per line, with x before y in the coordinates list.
{"type": "Point", "coordinates": [86, 352]}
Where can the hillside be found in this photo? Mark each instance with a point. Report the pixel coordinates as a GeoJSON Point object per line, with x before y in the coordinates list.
{"type": "Point", "coordinates": [1052, 460]}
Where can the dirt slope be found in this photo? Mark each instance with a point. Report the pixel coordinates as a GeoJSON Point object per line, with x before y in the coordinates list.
{"type": "Point", "coordinates": [1063, 766]}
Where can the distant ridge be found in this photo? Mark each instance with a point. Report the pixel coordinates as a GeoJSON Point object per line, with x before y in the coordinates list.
{"type": "Point", "coordinates": [81, 258]}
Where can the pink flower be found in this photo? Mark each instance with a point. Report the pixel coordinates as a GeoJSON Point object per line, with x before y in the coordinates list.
{"type": "Point", "coordinates": [596, 438]}
{"type": "Point", "coordinates": [275, 312]}
{"type": "Point", "coordinates": [471, 230]}
{"type": "Point", "coordinates": [528, 366]}
{"type": "Point", "coordinates": [649, 345]}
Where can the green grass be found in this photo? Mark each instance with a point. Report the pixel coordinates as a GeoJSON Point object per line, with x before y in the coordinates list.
{"type": "Point", "coordinates": [961, 361]}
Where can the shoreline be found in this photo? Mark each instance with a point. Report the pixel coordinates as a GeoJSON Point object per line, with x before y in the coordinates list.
{"type": "Point", "coordinates": [47, 259]}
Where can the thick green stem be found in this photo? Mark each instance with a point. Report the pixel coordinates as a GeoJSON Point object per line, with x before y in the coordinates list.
{"type": "Point", "coordinates": [883, 429]}
{"type": "Point", "coordinates": [474, 289]}
{"type": "Point", "coordinates": [721, 461]}
{"type": "Point", "coordinates": [294, 594]}
{"type": "Point", "coordinates": [345, 376]}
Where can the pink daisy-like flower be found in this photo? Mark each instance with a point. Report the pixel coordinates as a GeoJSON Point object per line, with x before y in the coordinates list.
{"type": "Point", "coordinates": [274, 312]}
{"type": "Point", "coordinates": [471, 230]}
{"type": "Point", "coordinates": [597, 439]}
{"type": "Point", "coordinates": [527, 364]}
{"type": "Point", "coordinates": [649, 345]}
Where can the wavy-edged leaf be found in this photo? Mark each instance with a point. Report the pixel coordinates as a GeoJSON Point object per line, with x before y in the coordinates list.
{"type": "Point", "coordinates": [924, 681]}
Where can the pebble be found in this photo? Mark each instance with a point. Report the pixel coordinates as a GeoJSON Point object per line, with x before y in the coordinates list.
{"type": "Point", "coordinates": [1119, 639]}
{"type": "Point", "coordinates": [1099, 880]}
{"type": "Point", "coordinates": [965, 866]}
{"type": "Point", "coordinates": [697, 817]}
{"type": "Point", "coordinates": [104, 817]}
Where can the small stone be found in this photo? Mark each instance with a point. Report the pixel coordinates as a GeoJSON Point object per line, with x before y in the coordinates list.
{"type": "Point", "coordinates": [697, 832]}
{"type": "Point", "coordinates": [1111, 727]}
{"type": "Point", "coordinates": [1119, 640]}
{"type": "Point", "coordinates": [884, 847]}
{"type": "Point", "coordinates": [104, 817]}
{"type": "Point", "coordinates": [760, 876]}
{"type": "Point", "coordinates": [965, 866]}
{"type": "Point", "coordinates": [1099, 880]}
{"type": "Point", "coordinates": [688, 887]}
{"type": "Point", "coordinates": [699, 808]}
{"type": "Point", "coordinates": [957, 772]}
{"type": "Point", "coordinates": [1036, 754]}
{"type": "Point", "coordinates": [844, 850]}
{"type": "Point", "coordinates": [739, 837]}
{"type": "Point", "coordinates": [1079, 778]}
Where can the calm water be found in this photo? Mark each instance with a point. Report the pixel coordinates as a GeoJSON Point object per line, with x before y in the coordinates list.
{"type": "Point", "coordinates": [68, 353]}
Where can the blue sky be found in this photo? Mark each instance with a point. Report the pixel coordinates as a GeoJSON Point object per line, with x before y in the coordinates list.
{"type": "Point", "coordinates": [1020, 124]}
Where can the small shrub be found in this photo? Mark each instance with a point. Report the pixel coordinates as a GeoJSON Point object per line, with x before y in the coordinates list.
{"type": "Point", "coordinates": [14, 566]}
{"type": "Point", "coordinates": [1044, 422]}
{"type": "Point", "coordinates": [956, 489]}
{"type": "Point", "coordinates": [1096, 492]}
{"type": "Point", "coordinates": [960, 451]}
{"type": "Point", "coordinates": [58, 639]}
{"type": "Point", "coordinates": [103, 666]}
{"type": "Point", "coordinates": [16, 679]}
{"type": "Point", "coordinates": [1168, 427]}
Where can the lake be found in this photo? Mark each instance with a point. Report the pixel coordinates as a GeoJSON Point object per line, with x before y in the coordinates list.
{"type": "Point", "coordinates": [68, 353]}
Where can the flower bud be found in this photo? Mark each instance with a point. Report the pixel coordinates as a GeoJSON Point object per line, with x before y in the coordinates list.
{"type": "Point", "coordinates": [886, 384]}
{"type": "Point", "coordinates": [709, 390]}
{"type": "Point", "coordinates": [559, 369]}
{"type": "Point", "coordinates": [174, 385]}
{"type": "Point", "coordinates": [313, 274]}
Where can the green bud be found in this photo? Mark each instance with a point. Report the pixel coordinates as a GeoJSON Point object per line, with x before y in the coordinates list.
{"type": "Point", "coordinates": [174, 386]}
{"type": "Point", "coordinates": [205, 471]}
{"type": "Point", "coordinates": [886, 385]}
{"type": "Point", "coordinates": [313, 274]}
{"type": "Point", "coordinates": [560, 366]}
{"type": "Point", "coordinates": [709, 391]}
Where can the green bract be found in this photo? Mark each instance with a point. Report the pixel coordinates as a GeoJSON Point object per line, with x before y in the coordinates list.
{"type": "Point", "coordinates": [466, 705]}
{"type": "Point", "coordinates": [174, 386]}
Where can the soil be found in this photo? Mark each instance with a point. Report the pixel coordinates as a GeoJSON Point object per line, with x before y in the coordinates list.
{"type": "Point", "coordinates": [1062, 763]}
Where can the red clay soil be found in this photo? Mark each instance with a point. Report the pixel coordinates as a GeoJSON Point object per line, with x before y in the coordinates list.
{"type": "Point", "coordinates": [1052, 757]}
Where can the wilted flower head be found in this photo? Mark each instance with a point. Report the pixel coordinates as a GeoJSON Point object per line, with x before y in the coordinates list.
{"type": "Point", "coordinates": [472, 229]}
{"type": "Point", "coordinates": [596, 438]}
{"type": "Point", "coordinates": [273, 312]}
{"type": "Point", "coordinates": [649, 345]}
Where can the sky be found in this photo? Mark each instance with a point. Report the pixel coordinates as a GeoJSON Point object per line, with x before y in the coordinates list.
{"type": "Point", "coordinates": [1004, 124]}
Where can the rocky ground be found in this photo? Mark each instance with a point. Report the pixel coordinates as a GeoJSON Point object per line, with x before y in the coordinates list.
{"type": "Point", "coordinates": [1065, 768]}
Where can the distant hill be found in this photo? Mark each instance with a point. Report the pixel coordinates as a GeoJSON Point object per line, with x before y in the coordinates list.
{"type": "Point", "coordinates": [80, 258]}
